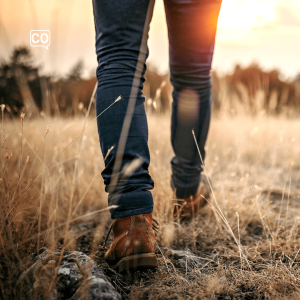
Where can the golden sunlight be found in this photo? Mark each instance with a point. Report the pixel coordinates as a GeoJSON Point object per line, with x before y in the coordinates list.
{"type": "Point", "coordinates": [239, 17]}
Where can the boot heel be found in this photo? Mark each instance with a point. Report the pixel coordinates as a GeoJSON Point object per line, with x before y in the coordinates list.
{"type": "Point", "coordinates": [136, 262]}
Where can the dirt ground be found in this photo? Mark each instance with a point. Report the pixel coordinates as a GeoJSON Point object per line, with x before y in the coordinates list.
{"type": "Point", "coordinates": [243, 245]}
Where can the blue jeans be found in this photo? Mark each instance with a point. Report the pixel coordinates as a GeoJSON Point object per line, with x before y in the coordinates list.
{"type": "Point", "coordinates": [121, 47]}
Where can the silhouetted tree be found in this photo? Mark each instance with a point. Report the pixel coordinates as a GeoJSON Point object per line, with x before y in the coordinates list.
{"type": "Point", "coordinates": [76, 71]}
{"type": "Point", "coordinates": [20, 82]}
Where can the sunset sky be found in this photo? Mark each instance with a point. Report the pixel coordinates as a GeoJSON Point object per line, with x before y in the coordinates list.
{"type": "Point", "coordinates": [262, 31]}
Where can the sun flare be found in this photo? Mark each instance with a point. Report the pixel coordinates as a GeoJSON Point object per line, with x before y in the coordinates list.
{"type": "Point", "coordinates": [239, 17]}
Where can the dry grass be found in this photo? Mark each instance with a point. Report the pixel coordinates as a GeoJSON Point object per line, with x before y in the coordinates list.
{"type": "Point", "coordinates": [249, 244]}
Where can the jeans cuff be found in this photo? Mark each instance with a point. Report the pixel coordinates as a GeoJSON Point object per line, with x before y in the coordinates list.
{"type": "Point", "coordinates": [183, 192]}
{"type": "Point", "coordinates": [121, 214]}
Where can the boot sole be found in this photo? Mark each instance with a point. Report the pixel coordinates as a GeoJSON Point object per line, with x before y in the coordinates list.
{"type": "Point", "coordinates": [136, 262]}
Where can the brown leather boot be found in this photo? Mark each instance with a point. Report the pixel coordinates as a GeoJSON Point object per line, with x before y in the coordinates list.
{"type": "Point", "coordinates": [189, 207]}
{"type": "Point", "coordinates": [133, 245]}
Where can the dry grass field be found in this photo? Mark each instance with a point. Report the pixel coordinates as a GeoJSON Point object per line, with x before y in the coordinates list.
{"type": "Point", "coordinates": [244, 243]}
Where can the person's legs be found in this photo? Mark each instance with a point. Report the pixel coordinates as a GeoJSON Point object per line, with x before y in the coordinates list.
{"type": "Point", "coordinates": [192, 28]}
{"type": "Point", "coordinates": [121, 46]}
{"type": "Point", "coordinates": [121, 65]}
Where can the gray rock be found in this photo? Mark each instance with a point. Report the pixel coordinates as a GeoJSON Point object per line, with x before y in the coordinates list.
{"type": "Point", "coordinates": [185, 259]}
{"type": "Point", "coordinates": [177, 254]}
{"type": "Point", "coordinates": [78, 277]}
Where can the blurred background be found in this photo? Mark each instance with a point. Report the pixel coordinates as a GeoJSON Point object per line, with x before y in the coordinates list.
{"type": "Point", "coordinates": [255, 67]}
{"type": "Point", "coordinates": [51, 189]}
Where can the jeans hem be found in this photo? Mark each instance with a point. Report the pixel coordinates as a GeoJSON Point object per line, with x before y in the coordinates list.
{"type": "Point", "coordinates": [131, 212]}
{"type": "Point", "coordinates": [185, 192]}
